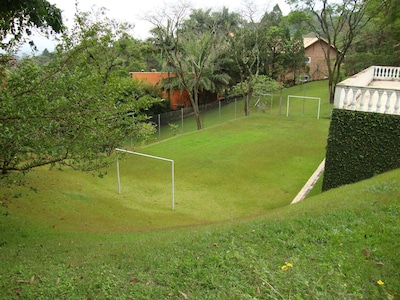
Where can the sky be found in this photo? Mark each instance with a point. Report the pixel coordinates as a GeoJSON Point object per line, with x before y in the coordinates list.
{"type": "Point", "coordinates": [134, 11]}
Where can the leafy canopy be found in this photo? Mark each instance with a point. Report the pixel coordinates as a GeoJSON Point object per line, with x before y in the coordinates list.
{"type": "Point", "coordinates": [19, 17]}
{"type": "Point", "coordinates": [76, 109]}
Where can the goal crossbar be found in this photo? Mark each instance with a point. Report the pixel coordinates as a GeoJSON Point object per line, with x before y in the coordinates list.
{"type": "Point", "coordinates": [303, 97]}
{"type": "Point", "coordinates": [149, 156]}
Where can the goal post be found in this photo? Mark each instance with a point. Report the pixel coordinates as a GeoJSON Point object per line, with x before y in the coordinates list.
{"type": "Point", "coordinates": [262, 104]}
{"type": "Point", "coordinates": [153, 157]}
{"type": "Point", "coordinates": [303, 97]}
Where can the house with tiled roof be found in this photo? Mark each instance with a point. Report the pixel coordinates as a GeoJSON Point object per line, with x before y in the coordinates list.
{"type": "Point", "coordinates": [315, 50]}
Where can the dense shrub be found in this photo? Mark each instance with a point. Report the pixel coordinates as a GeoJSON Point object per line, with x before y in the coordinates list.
{"type": "Point", "coordinates": [360, 145]}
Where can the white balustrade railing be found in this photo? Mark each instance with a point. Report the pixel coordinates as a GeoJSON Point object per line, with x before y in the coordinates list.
{"type": "Point", "coordinates": [386, 73]}
{"type": "Point", "coordinates": [356, 93]}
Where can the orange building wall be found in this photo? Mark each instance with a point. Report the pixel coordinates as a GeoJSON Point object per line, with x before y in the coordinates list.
{"type": "Point", "coordinates": [177, 99]}
{"type": "Point", "coordinates": [152, 77]}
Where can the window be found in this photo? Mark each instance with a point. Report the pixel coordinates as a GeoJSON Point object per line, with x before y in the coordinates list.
{"type": "Point", "coordinates": [304, 78]}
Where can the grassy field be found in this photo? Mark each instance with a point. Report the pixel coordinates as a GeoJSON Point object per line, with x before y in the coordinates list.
{"type": "Point", "coordinates": [239, 169]}
{"type": "Point", "coordinates": [298, 108]}
{"type": "Point", "coordinates": [70, 235]}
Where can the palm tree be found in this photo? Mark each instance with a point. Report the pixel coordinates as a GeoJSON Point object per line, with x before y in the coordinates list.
{"type": "Point", "coordinates": [197, 66]}
{"type": "Point", "coordinates": [192, 50]}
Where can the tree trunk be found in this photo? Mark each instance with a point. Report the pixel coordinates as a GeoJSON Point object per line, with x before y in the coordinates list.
{"type": "Point", "coordinates": [331, 90]}
{"type": "Point", "coordinates": [246, 105]}
{"type": "Point", "coordinates": [197, 116]}
{"type": "Point", "coordinates": [248, 97]}
{"type": "Point", "coordinates": [196, 110]}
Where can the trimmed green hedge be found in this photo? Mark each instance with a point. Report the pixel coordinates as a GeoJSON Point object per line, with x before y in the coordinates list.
{"type": "Point", "coordinates": [360, 145]}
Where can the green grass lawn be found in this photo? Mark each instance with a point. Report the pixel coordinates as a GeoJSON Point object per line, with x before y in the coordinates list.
{"type": "Point", "coordinates": [70, 235]}
{"type": "Point", "coordinates": [234, 170]}
{"type": "Point", "coordinates": [342, 244]}
{"type": "Point", "coordinates": [274, 106]}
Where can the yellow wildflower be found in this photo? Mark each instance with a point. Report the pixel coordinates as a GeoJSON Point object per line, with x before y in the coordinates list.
{"type": "Point", "coordinates": [380, 282]}
{"type": "Point", "coordinates": [286, 266]}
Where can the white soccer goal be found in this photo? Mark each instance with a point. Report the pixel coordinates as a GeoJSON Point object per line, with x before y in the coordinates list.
{"type": "Point", "coordinates": [303, 97]}
{"type": "Point", "coordinates": [149, 156]}
{"type": "Point", "coordinates": [261, 104]}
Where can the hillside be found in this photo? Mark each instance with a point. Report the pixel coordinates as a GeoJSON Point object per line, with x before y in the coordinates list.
{"type": "Point", "coordinates": [232, 235]}
{"type": "Point", "coordinates": [342, 244]}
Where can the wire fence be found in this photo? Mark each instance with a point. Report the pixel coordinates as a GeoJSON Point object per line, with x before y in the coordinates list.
{"type": "Point", "coordinates": [183, 121]}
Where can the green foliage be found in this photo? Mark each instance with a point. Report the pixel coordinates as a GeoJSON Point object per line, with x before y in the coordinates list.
{"type": "Point", "coordinates": [193, 55]}
{"type": "Point", "coordinates": [264, 48]}
{"type": "Point", "coordinates": [262, 85]}
{"type": "Point", "coordinates": [294, 58]}
{"type": "Point", "coordinates": [75, 109]}
{"type": "Point", "coordinates": [360, 145]}
{"type": "Point", "coordinates": [378, 44]}
{"type": "Point", "coordinates": [223, 22]}
{"type": "Point", "coordinates": [339, 23]}
{"type": "Point", "coordinates": [278, 53]}
{"type": "Point", "coordinates": [174, 128]}
{"type": "Point", "coordinates": [19, 17]}
{"type": "Point", "coordinates": [45, 57]}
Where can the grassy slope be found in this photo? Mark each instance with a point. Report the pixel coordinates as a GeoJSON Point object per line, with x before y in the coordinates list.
{"type": "Point", "coordinates": [237, 169]}
{"type": "Point", "coordinates": [72, 237]}
{"type": "Point", "coordinates": [340, 243]}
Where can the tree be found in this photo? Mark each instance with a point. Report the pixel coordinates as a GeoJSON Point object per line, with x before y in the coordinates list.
{"type": "Point", "coordinates": [294, 57]}
{"type": "Point", "coordinates": [76, 109]}
{"type": "Point", "coordinates": [191, 54]}
{"type": "Point", "coordinates": [45, 57]}
{"type": "Point", "coordinates": [379, 42]}
{"type": "Point", "coordinates": [19, 17]}
{"type": "Point", "coordinates": [246, 50]}
{"type": "Point", "coordinates": [339, 22]}
{"type": "Point", "coordinates": [275, 37]}
{"type": "Point", "coordinates": [223, 23]}
{"type": "Point", "coordinates": [262, 86]}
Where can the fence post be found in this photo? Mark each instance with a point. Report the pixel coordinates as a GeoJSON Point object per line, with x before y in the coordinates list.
{"type": "Point", "coordinates": [219, 111]}
{"type": "Point", "coordinates": [182, 118]}
{"type": "Point", "coordinates": [235, 108]}
{"type": "Point", "coordinates": [159, 127]}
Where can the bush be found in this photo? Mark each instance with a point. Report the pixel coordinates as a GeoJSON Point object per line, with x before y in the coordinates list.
{"type": "Point", "coordinates": [360, 145]}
